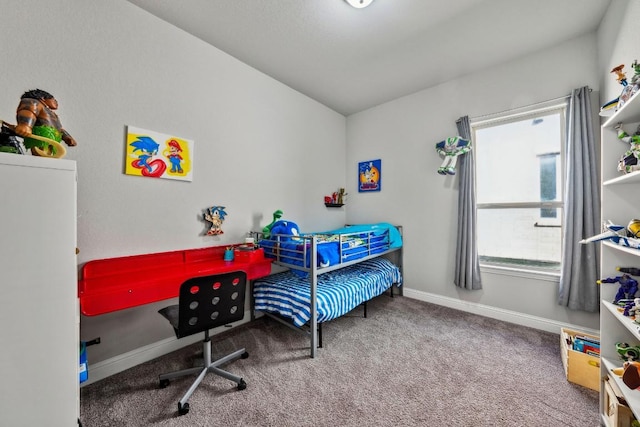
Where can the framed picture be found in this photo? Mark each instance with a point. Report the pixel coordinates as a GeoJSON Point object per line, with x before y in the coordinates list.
{"type": "Point", "coordinates": [369, 176]}
{"type": "Point", "coordinates": [155, 155]}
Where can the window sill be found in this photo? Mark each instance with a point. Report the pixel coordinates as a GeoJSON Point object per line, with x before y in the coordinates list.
{"type": "Point", "coordinates": [547, 276]}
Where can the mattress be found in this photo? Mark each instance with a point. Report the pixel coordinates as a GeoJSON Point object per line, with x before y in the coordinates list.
{"type": "Point", "coordinates": [338, 292]}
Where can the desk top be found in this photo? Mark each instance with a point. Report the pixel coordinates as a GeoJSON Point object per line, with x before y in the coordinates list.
{"type": "Point", "coordinates": [112, 284]}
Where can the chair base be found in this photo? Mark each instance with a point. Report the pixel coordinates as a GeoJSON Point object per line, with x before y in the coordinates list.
{"type": "Point", "coordinates": [208, 366]}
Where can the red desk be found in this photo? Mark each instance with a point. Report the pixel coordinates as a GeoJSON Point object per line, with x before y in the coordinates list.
{"type": "Point", "coordinates": [112, 284]}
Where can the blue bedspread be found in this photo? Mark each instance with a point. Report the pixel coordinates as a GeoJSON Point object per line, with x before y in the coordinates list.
{"type": "Point", "coordinates": [333, 247]}
{"type": "Point", "coordinates": [338, 291]}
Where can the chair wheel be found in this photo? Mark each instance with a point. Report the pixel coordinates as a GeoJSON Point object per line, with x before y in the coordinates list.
{"type": "Point", "coordinates": [242, 385]}
{"type": "Point", "coordinates": [164, 383]}
{"type": "Point", "coordinates": [244, 355]}
{"type": "Point", "coordinates": [183, 409]}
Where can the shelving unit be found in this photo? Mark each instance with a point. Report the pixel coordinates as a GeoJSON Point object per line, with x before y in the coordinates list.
{"type": "Point", "coordinates": [39, 291]}
{"type": "Point", "coordinates": [620, 204]}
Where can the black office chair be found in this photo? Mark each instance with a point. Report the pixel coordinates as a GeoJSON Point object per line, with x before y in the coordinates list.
{"type": "Point", "coordinates": [205, 303]}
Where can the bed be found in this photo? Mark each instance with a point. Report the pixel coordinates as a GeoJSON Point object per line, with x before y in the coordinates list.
{"type": "Point", "coordinates": [328, 273]}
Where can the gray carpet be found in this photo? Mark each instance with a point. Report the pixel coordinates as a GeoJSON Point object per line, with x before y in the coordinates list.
{"type": "Point", "coordinates": [409, 363]}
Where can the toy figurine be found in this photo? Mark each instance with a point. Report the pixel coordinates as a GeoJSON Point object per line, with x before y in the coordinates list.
{"type": "Point", "coordinates": [628, 90]}
{"type": "Point", "coordinates": [215, 215]}
{"type": "Point", "coordinates": [628, 286]}
{"type": "Point", "coordinates": [627, 352]}
{"type": "Point", "coordinates": [266, 231]}
{"type": "Point", "coordinates": [621, 77]}
{"type": "Point", "coordinates": [636, 72]}
{"type": "Point", "coordinates": [9, 142]}
{"type": "Point", "coordinates": [618, 234]}
{"type": "Point", "coordinates": [451, 148]}
{"type": "Point", "coordinates": [37, 119]}
{"type": "Point", "coordinates": [629, 160]}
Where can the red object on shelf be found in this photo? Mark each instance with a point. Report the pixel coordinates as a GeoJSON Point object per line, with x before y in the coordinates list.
{"type": "Point", "coordinates": [112, 284]}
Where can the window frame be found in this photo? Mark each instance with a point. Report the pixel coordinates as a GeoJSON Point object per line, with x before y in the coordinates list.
{"type": "Point", "coordinates": [497, 119]}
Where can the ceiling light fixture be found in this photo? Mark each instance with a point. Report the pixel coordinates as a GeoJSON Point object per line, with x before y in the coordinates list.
{"type": "Point", "coordinates": [359, 4]}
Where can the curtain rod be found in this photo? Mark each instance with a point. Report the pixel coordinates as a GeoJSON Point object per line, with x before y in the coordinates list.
{"type": "Point", "coordinates": [515, 111]}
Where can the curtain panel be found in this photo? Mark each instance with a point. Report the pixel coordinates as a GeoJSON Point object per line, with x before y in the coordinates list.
{"type": "Point", "coordinates": [467, 266]}
{"type": "Point", "coordinates": [578, 289]}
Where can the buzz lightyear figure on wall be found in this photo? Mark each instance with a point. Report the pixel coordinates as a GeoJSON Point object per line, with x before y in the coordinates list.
{"type": "Point", "coordinates": [451, 148]}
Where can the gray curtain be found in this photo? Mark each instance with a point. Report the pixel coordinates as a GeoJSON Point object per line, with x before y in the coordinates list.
{"type": "Point", "coordinates": [467, 268]}
{"type": "Point", "coordinates": [580, 263]}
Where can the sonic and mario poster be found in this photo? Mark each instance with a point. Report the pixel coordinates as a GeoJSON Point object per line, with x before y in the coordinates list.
{"type": "Point", "coordinates": [369, 176]}
{"type": "Point", "coordinates": [155, 155]}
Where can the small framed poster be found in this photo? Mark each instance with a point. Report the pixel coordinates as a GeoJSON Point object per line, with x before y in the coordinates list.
{"type": "Point", "coordinates": [156, 155]}
{"type": "Point", "coordinates": [369, 176]}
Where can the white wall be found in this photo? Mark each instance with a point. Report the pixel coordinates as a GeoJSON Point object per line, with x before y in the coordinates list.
{"type": "Point", "coordinates": [111, 64]}
{"type": "Point", "coordinates": [403, 133]}
{"type": "Point", "coordinates": [618, 41]}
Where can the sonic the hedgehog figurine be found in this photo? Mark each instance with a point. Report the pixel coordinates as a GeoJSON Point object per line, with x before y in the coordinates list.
{"type": "Point", "coordinates": [215, 215]}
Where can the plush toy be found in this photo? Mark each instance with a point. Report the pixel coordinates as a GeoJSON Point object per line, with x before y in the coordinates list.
{"type": "Point", "coordinates": [267, 228]}
{"type": "Point", "coordinates": [451, 148]}
{"type": "Point", "coordinates": [285, 228]}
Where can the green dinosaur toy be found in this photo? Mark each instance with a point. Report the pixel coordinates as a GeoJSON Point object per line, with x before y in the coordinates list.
{"type": "Point", "coordinates": [267, 229]}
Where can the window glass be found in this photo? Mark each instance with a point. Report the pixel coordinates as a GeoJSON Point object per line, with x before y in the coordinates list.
{"type": "Point", "coordinates": [519, 178]}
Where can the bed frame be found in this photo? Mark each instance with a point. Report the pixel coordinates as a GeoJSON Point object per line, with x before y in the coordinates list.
{"type": "Point", "coordinates": [309, 254]}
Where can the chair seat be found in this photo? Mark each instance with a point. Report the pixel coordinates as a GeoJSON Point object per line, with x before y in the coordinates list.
{"type": "Point", "coordinates": [172, 314]}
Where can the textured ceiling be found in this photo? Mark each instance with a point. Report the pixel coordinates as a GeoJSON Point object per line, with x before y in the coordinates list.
{"type": "Point", "coordinates": [352, 59]}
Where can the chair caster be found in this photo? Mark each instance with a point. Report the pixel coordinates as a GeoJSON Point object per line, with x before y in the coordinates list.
{"type": "Point", "coordinates": [164, 383]}
{"type": "Point", "coordinates": [183, 409]}
{"type": "Point", "coordinates": [242, 385]}
{"type": "Point", "coordinates": [244, 355]}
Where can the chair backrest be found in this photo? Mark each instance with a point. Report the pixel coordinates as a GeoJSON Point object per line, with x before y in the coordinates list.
{"type": "Point", "coordinates": [210, 301]}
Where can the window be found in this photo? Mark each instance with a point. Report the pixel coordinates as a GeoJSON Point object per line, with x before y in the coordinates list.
{"type": "Point", "coordinates": [519, 189]}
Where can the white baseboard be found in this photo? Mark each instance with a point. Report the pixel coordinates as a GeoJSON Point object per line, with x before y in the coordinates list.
{"type": "Point", "coordinates": [122, 362]}
{"type": "Point", "coordinates": [510, 316]}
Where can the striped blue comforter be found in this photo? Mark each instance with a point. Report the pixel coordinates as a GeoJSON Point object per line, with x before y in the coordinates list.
{"type": "Point", "coordinates": [339, 291]}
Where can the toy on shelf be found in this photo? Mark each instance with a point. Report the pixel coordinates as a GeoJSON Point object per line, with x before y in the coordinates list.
{"type": "Point", "coordinates": [628, 287]}
{"type": "Point", "coordinates": [629, 160]}
{"type": "Point", "coordinates": [617, 234]}
{"type": "Point", "coordinates": [632, 309]}
{"type": "Point", "coordinates": [39, 125]}
{"type": "Point", "coordinates": [9, 141]}
{"type": "Point", "coordinates": [629, 270]}
{"type": "Point", "coordinates": [609, 108]}
{"type": "Point", "coordinates": [451, 148]}
{"type": "Point", "coordinates": [628, 89]}
{"type": "Point", "coordinates": [266, 231]}
{"type": "Point", "coordinates": [627, 352]}
{"type": "Point", "coordinates": [215, 215]}
{"type": "Point", "coordinates": [621, 77]}
{"type": "Point", "coordinates": [630, 374]}
{"type": "Point", "coordinates": [336, 199]}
